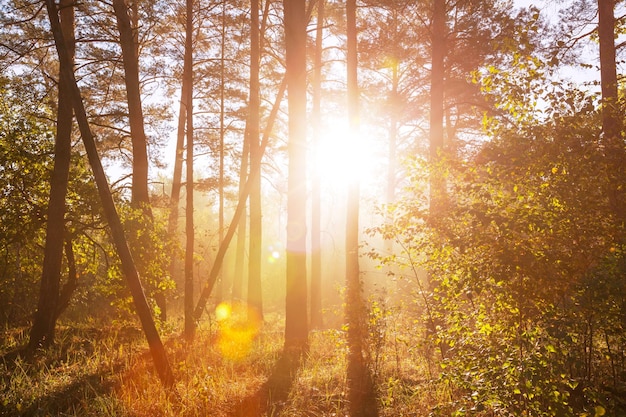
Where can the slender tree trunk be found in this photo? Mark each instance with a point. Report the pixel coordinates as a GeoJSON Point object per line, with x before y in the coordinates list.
{"type": "Point", "coordinates": [242, 223]}
{"type": "Point", "coordinates": [220, 294]}
{"type": "Point", "coordinates": [42, 332]}
{"type": "Point", "coordinates": [611, 123]}
{"type": "Point", "coordinates": [438, 51]}
{"type": "Point", "coordinates": [190, 326]}
{"type": "Point", "coordinates": [360, 390]}
{"type": "Point", "coordinates": [117, 231]}
{"type": "Point", "coordinates": [172, 224]}
{"type": "Point", "coordinates": [393, 132]}
{"type": "Point", "coordinates": [316, 203]}
{"type": "Point", "coordinates": [255, 297]}
{"type": "Point", "coordinates": [394, 109]}
{"type": "Point", "coordinates": [296, 322]}
{"type": "Point", "coordinates": [140, 196]}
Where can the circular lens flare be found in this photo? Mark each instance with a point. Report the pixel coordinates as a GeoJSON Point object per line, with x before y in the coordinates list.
{"type": "Point", "coordinates": [238, 327]}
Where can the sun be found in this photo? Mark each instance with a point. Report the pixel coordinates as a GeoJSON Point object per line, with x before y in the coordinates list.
{"type": "Point", "coordinates": [342, 157]}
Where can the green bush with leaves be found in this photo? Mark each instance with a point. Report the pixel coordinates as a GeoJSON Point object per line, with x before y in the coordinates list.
{"type": "Point", "coordinates": [152, 250]}
{"type": "Point", "coordinates": [520, 279]}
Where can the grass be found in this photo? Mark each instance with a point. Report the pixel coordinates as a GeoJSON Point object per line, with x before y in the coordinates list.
{"type": "Point", "coordinates": [106, 371]}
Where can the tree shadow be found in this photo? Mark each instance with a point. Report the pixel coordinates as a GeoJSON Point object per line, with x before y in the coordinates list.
{"type": "Point", "coordinates": [362, 391]}
{"type": "Point", "coordinates": [68, 398]}
{"type": "Point", "coordinates": [272, 396]}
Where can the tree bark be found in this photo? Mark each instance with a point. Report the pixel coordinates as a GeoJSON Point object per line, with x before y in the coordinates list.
{"type": "Point", "coordinates": [42, 332]}
{"type": "Point", "coordinates": [316, 203]}
{"type": "Point", "coordinates": [255, 294]}
{"type": "Point", "coordinates": [611, 123]}
{"type": "Point", "coordinates": [172, 223]}
{"type": "Point", "coordinates": [140, 196]}
{"type": "Point", "coordinates": [296, 322]}
{"type": "Point", "coordinates": [360, 389]}
{"type": "Point", "coordinates": [128, 266]}
{"type": "Point", "coordinates": [240, 255]}
{"type": "Point", "coordinates": [220, 294]}
{"type": "Point", "coordinates": [438, 51]}
{"type": "Point", "coordinates": [190, 326]}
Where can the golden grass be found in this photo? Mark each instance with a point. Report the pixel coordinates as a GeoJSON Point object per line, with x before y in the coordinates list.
{"type": "Point", "coordinates": [107, 371]}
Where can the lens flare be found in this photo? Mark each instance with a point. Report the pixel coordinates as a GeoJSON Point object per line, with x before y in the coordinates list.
{"type": "Point", "coordinates": [223, 311]}
{"type": "Point", "coordinates": [238, 327]}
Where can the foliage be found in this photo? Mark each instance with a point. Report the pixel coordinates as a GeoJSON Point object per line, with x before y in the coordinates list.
{"type": "Point", "coordinates": [26, 144]}
{"type": "Point", "coordinates": [519, 278]}
{"type": "Point", "coordinates": [152, 249]}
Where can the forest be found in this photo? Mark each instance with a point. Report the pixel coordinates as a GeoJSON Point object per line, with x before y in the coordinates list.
{"type": "Point", "coordinates": [353, 208]}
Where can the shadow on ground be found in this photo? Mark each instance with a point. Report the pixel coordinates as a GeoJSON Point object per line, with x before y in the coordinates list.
{"type": "Point", "coordinates": [271, 398]}
{"type": "Point", "coordinates": [69, 398]}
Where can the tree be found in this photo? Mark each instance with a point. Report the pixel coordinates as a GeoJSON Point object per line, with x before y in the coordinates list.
{"type": "Point", "coordinates": [130, 272]}
{"type": "Point", "coordinates": [611, 121]}
{"type": "Point", "coordinates": [255, 299]}
{"type": "Point", "coordinates": [436, 141]}
{"type": "Point", "coordinates": [316, 116]}
{"type": "Point", "coordinates": [140, 193]}
{"type": "Point", "coordinates": [239, 210]}
{"type": "Point", "coordinates": [360, 385]}
{"type": "Point", "coordinates": [296, 326]}
{"type": "Point", "coordinates": [44, 323]}
{"type": "Point", "coordinates": [190, 325]}
{"type": "Point", "coordinates": [26, 147]}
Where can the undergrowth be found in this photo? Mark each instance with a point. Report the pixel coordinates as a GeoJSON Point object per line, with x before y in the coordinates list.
{"type": "Point", "coordinates": [107, 371]}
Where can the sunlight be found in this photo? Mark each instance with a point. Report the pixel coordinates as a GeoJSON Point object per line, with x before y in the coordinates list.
{"type": "Point", "coordinates": [223, 311]}
{"type": "Point", "coordinates": [238, 326]}
{"type": "Point", "coordinates": [342, 157]}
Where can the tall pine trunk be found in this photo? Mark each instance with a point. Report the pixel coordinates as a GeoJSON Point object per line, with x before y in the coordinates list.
{"type": "Point", "coordinates": [189, 228]}
{"type": "Point", "coordinates": [240, 250]}
{"type": "Point", "coordinates": [296, 323]}
{"type": "Point", "coordinates": [222, 151]}
{"type": "Point", "coordinates": [316, 203]}
{"type": "Point", "coordinates": [438, 45]}
{"type": "Point", "coordinates": [360, 389]}
{"type": "Point", "coordinates": [255, 298]}
{"type": "Point", "coordinates": [42, 332]}
{"type": "Point", "coordinates": [172, 223]}
{"type": "Point", "coordinates": [140, 196]}
{"type": "Point", "coordinates": [611, 123]}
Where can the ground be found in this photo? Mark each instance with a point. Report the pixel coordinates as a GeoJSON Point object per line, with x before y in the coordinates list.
{"type": "Point", "coordinates": [232, 369]}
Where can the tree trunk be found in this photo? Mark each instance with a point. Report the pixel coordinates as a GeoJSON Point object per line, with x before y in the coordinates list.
{"type": "Point", "coordinates": [438, 51]}
{"type": "Point", "coordinates": [611, 123]}
{"type": "Point", "coordinates": [190, 326]}
{"type": "Point", "coordinates": [360, 389]}
{"type": "Point", "coordinates": [255, 298]}
{"type": "Point", "coordinates": [117, 231]}
{"type": "Point", "coordinates": [296, 326]}
{"type": "Point", "coordinates": [220, 294]}
{"type": "Point", "coordinates": [140, 196]}
{"type": "Point", "coordinates": [240, 254]}
{"type": "Point", "coordinates": [316, 203]}
{"type": "Point", "coordinates": [42, 332]}
{"type": "Point", "coordinates": [172, 224]}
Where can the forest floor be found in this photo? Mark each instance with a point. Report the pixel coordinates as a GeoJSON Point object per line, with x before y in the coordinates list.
{"type": "Point", "coordinates": [231, 369]}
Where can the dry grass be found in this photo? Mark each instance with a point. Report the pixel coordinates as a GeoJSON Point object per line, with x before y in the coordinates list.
{"type": "Point", "coordinates": [108, 372]}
